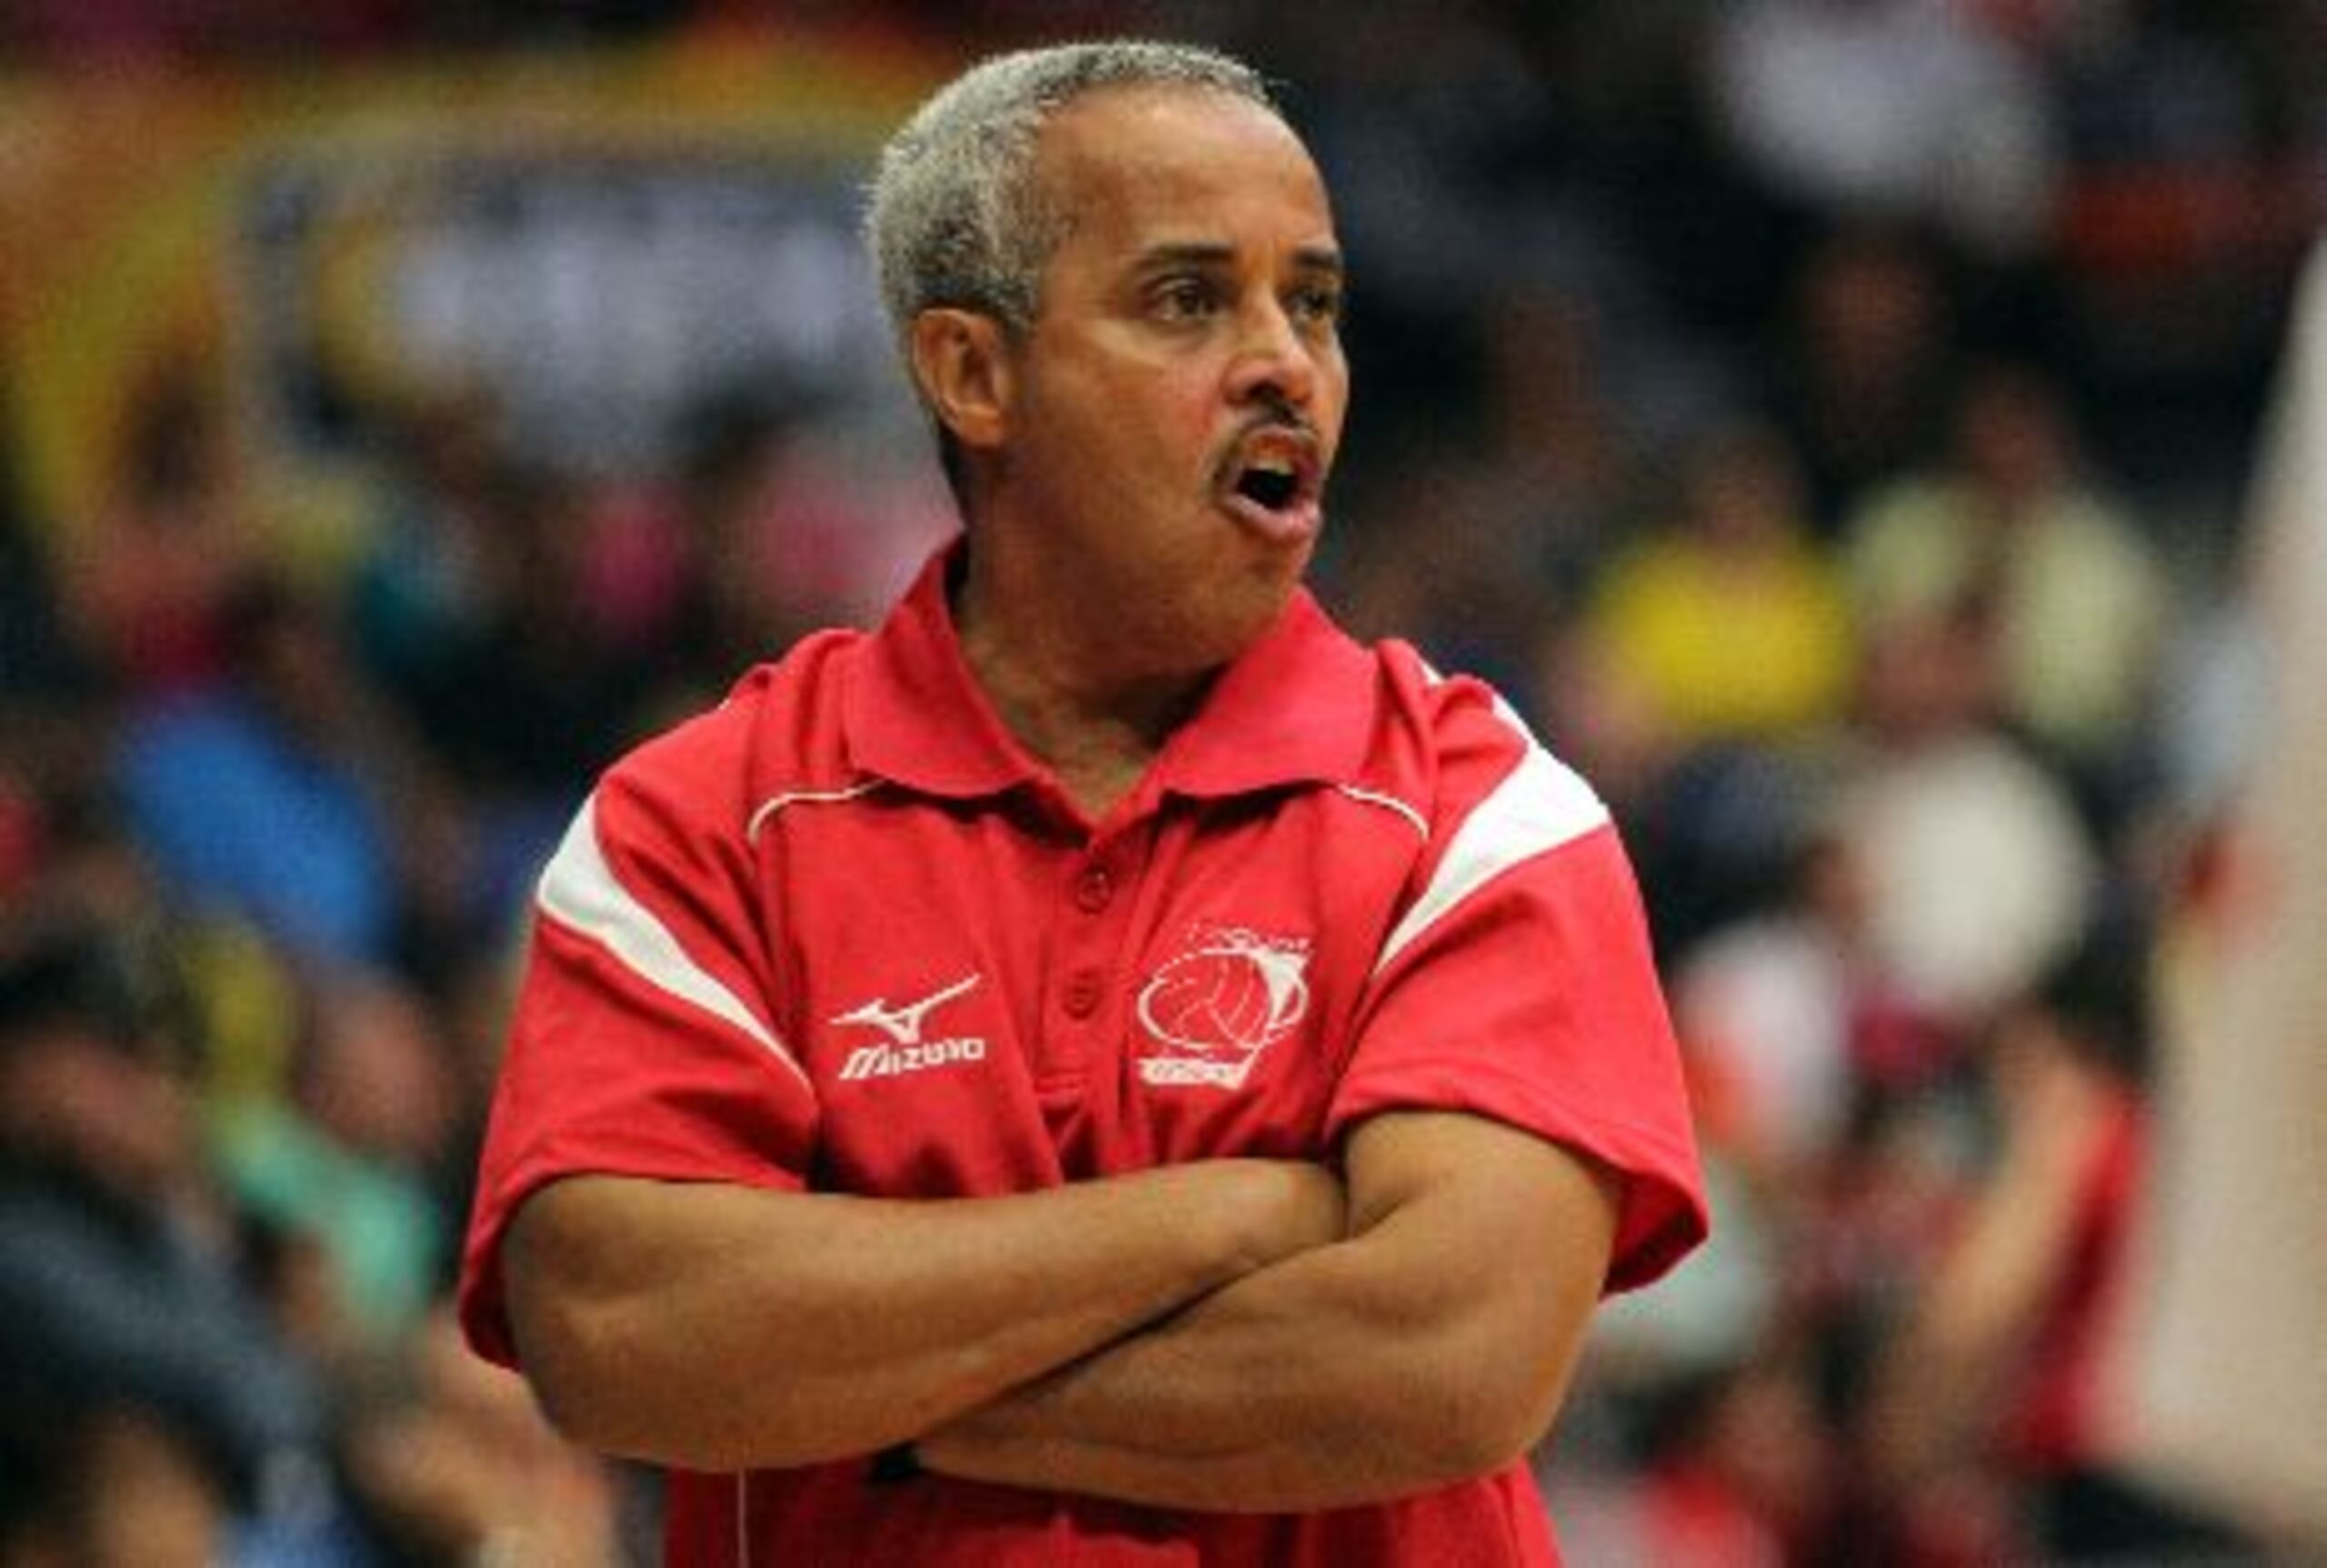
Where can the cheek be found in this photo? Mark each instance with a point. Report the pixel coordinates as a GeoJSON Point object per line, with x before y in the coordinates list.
{"type": "Point", "coordinates": [1141, 427]}
{"type": "Point", "coordinates": [1186, 411]}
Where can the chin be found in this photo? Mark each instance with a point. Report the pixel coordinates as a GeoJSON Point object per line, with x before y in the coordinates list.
{"type": "Point", "coordinates": [1226, 623]}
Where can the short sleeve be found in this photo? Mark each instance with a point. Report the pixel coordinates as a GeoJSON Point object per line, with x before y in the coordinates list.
{"type": "Point", "coordinates": [1519, 985]}
{"type": "Point", "coordinates": [644, 1042]}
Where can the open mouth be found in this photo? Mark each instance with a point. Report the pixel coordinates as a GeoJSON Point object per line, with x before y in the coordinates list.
{"type": "Point", "coordinates": [1271, 485]}
{"type": "Point", "coordinates": [1267, 485]}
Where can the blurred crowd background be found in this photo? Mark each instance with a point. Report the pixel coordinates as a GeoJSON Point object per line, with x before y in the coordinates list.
{"type": "Point", "coordinates": [1829, 420]}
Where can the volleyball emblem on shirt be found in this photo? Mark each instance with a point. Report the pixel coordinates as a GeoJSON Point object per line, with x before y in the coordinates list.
{"type": "Point", "coordinates": [1213, 1010]}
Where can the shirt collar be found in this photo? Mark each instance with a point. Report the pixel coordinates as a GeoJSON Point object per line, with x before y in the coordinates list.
{"type": "Point", "coordinates": [914, 714]}
{"type": "Point", "coordinates": [1294, 707]}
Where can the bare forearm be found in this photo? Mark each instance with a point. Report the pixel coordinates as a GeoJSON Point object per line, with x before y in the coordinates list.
{"type": "Point", "coordinates": [721, 1328]}
{"type": "Point", "coordinates": [1288, 1391]}
{"type": "Point", "coordinates": [1399, 1360]}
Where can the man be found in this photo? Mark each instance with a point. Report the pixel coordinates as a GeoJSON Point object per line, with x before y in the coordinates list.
{"type": "Point", "coordinates": [1102, 1069]}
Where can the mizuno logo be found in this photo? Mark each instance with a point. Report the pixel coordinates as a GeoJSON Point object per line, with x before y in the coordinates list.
{"type": "Point", "coordinates": [902, 1024]}
{"type": "Point", "coordinates": [905, 1050]}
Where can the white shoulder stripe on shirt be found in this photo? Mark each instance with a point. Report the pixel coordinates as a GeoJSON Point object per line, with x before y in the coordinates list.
{"type": "Point", "coordinates": [580, 892]}
{"type": "Point", "coordinates": [1539, 806]}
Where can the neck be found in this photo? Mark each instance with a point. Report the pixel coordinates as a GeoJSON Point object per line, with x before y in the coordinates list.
{"type": "Point", "coordinates": [1097, 725]}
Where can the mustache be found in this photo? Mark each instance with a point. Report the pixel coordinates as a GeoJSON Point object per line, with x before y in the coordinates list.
{"type": "Point", "coordinates": [1276, 426]}
{"type": "Point", "coordinates": [1276, 413]}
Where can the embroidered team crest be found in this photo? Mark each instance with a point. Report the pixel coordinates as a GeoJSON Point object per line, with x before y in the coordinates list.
{"type": "Point", "coordinates": [1212, 1011]}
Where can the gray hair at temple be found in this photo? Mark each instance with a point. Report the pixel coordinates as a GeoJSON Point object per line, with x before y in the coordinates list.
{"type": "Point", "coordinates": [955, 218]}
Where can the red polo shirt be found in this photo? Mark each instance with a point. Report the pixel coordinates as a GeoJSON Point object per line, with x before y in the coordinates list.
{"type": "Point", "coordinates": [844, 933]}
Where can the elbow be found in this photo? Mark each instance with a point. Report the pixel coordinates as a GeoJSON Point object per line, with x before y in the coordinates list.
{"type": "Point", "coordinates": [588, 1347]}
{"type": "Point", "coordinates": [1478, 1422]}
{"type": "Point", "coordinates": [1474, 1401]}
{"type": "Point", "coordinates": [609, 1376]}
{"type": "Point", "coordinates": [594, 1376]}
{"type": "Point", "coordinates": [570, 1348]}
{"type": "Point", "coordinates": [564, 1318]}
{"type": "Point", "coordinates": [1422, 1390]}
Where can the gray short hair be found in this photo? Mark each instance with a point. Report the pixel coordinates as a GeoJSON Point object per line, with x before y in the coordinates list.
{"type": "Point", "coordinates": [954, 217]}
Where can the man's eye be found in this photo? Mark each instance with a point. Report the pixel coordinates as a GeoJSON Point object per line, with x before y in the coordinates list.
{"type": "Point", "coordinates": [1321, 305]}
{"type": "Point", "coordinates": [1188, 299]}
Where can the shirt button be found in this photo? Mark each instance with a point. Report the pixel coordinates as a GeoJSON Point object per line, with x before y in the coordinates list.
{"type": "Point", "coordinates": [1093, 890]}
{"type": "Point", "coordinates": [1083, 990]}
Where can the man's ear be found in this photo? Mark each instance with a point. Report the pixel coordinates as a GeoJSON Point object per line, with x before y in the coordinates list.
{"type": "Point", "coordinates": [961, 362]}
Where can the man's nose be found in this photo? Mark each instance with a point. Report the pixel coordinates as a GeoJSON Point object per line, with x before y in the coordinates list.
{"type": "Point", "coordinates": [1273, 361]}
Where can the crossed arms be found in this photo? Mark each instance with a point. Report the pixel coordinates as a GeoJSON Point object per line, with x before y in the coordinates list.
{"type": "Point", "coordinates": [1231, 1334]}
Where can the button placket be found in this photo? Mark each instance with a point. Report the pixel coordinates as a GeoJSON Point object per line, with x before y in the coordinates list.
{"type": "Point", "coordinates": [1092, 909]}
{"type": "Point", "coordinates": [1093, 889]}
{"type": "Point", "coordinates": [1085, 989]}
{"type": "Point", "coordinates": [1085, 986]}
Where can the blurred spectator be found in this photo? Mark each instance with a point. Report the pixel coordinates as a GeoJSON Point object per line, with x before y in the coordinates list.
{"type": "Point", "coordinates": [1433, 127]}
{"type": "Point", "coordinates": [111, 1487]}
{"type": "Point", "coordinates": [1768, 1009]}
{"type": "Point", "coordinates": [474, 610]}
{"type": "Point", "coordinates": [37, 657]}
{"type": "Point", "coordinates": [2071, 590]}
{"type": "Point", "coordinates": [1742, 1473]}
{"type": "Point", "coordinates": [1727, 622]}
{"type": "Point", "coordinates": [148, 579]}
{"type": "Point", "coordinates": [1478, 533]}
{"type": "Point", "coordinates": [1559, 434]}
{"type": "Point", "coordinates": [794, 516]}
{"type": "Point", "coordinates": [1863, 370]}
{"type": "Point", "coordinates": [350, 1160]}
{"type": "Point", "coordinates": [1980, 873]}
{"type": "Point", "coordinates": [2160, 84]}
{"type": "Point", "coordinates": [121, 1296]}
{"type": "Point", "coordinates": [1728, 1306]}
{"type": "Point", "coordinates": [719, 615]}
{"type": "Point", "coordinates": [269, 794]}
{"type": "Point", "coordinates": [456, 1465]}
{"type": "Point", "coordinates": [1990, 1385]}
{"type": "Point", "coordinates": [1737, 1468]}
{"type": "Point", "coordinates": [1889, 110]}
{"type": "Point", "coordinates": [419, 590]}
